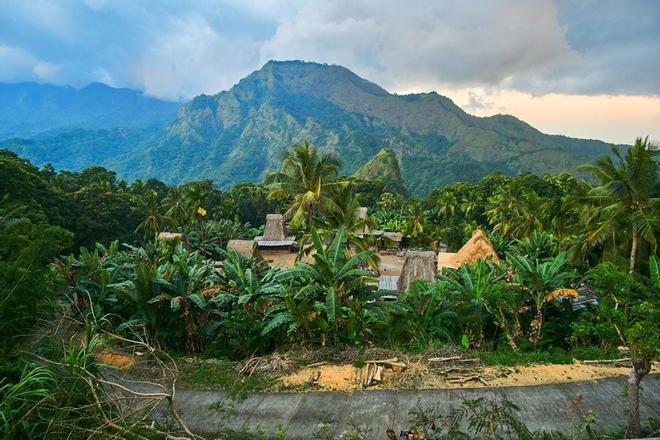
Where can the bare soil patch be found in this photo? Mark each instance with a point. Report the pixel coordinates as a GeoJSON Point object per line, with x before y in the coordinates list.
{"type": "Point", "coordinates": [419, 374]}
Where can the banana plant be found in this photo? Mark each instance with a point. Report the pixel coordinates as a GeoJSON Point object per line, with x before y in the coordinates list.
{"type": "Point", "coordinates": [246, 281]}
{"type": "Point", "coordinates": [467, 288]}
{"type": "Point", "coordinates": [422, 313]}
{"type": "Point", "coordinates": [333, 280]}
{"type": "Point", "coordinates": [186, 281]}
{"type": "Point", "coordinates": [539, 280]}
{"type": "Point", "coordinates": [654, 273]}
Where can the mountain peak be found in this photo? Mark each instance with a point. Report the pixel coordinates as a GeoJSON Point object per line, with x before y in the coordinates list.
{"type": "Point", "coordinates": [383, 166]}
{"type": "Point", "coordinates": [310, 77]}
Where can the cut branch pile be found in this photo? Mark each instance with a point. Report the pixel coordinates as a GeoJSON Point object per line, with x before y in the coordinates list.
{"type": "Point", "coordinates": [274, 364]}
{"type": "Point", "coordinates": [462, 374]}
{"type": "Point", "coordinates": [373, 371]}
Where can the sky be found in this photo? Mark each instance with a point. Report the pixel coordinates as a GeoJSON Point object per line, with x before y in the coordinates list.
{"type": "Point", "coordinates": [584, 68]}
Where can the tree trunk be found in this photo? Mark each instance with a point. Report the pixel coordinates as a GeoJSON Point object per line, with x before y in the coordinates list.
{"type": "Point", "coordinates": [310, 216]}
{"type": "Point", "coordinates": [641, 368]}
{"type": "Point", "coordinates": [535, 330]}
{"type": "Point", "coordinates": [633, 250]}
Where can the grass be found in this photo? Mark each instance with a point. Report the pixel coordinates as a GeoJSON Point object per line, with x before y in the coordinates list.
{"type": "Point", "coordinates": [221, 374]}
{"type": "Point", "coordinates": [552, 356]}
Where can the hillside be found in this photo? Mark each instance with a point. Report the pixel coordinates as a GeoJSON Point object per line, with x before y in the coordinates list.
{"type": "Point", "coordinates": [239, 134]}
{"type": "Point", "coordinates": [384, 166]}
{"type": "Point", "coordinates": [27, 109]}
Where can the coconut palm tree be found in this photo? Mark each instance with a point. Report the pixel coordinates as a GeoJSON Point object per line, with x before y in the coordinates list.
{"type": "Point", "coordinates": [346, 215]}
{"type": "Point", "coordinates": [151, 223]}
{"type": "Point", "coordinates": [627, 198]}
{"type": "Point", "coordinates": [178, 208]}
{"type": "Point", "coordinates": [305, 176]}
{"type": "Point", "coordinates": [514, 211]}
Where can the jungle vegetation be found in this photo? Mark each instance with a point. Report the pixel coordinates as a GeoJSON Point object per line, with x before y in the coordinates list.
{"type": "Point", "coordinates": [83, 245]}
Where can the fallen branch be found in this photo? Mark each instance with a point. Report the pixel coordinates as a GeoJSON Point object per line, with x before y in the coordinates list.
{"type": "Point", "coordinates": [459, 379]}
{"type": "Point", "coordinates": [317, 364]}
{"type": "Point", "coordinates": [456, 370]}
{"type": "Point", "coordinates": [605, 361]}
{"type": "Point", "coordinates": [444, 359]}
{"type": "Point", "coordinates": [456, 359]}
{"type": "Point", "coordinates": [383, 361]}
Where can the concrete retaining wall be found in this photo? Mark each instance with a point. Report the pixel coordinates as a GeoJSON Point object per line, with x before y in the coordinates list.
{"type": "Point", "coordinates": [555, 407]}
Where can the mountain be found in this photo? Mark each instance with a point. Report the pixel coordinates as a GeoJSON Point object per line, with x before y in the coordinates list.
{"type": "Point", "coordinates": [385, 166]}
{"type": "Point", "coordinates": [28, 109]}
{"type": "Point", "coordinates": [239, 134]}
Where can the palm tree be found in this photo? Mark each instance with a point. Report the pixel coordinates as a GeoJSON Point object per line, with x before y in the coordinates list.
{"type": "Point", "coordinates": [415, 222]}
{"type": "Point", "coordinates": [306, 177]}
{"type": "Point", "coordinates": [178, 208]}
{"type": "Point", "coordinates": [627, 198]}
{"type": "Point", "coordinates": [514, 211]}
{"type": "Point", "coordinates": [150, 226]}
{"type": "Point", "coordinates": [346, 216]}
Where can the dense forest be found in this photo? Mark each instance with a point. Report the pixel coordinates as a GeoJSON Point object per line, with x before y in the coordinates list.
{"type": "Point", "coordinates": [82, 248]}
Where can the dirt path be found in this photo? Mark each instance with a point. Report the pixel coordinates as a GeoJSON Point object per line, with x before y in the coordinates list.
{"type": "Point", "coordinates": [341, 377]}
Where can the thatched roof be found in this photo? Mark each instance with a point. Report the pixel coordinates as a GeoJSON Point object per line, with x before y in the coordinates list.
{"type": "Point", "coordinates": [274, 230]}
{"type": "Point", "coordinates": [394, 236]}
{"type": "Point", "coordinates": [478, 247]}
{"type": "Point", "coordinates": [170, 236]}
{"type": "Point", "coordinates": [418, 265]}
{"type": "Point", "coordinates": [274, 233]}
{"type": "Point", "coordinates": [243, 247]}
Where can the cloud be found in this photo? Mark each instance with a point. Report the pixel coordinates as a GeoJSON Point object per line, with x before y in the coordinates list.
{"type": "Point", "coordinates": [420, 42]}
{"type": "Point", "coordinates": [175, 49]}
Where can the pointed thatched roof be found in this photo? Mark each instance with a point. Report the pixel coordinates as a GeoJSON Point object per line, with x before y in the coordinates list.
{"type": "Point", "coordinates": [243, 247]}
{"type": "Point", "coordinates": [478, 247]}
{"type": "Point", "coordinates": [275, 233]}
{"type": "Point", "coordinates": [274, 230]}
{"type": "Point", "coordinates": [418, 265]}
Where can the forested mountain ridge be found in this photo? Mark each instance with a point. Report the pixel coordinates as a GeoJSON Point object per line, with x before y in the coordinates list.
{"type": "Point", "coordinates": [239, 134]}
{"type": "Point", "coordinates": [29, 108]}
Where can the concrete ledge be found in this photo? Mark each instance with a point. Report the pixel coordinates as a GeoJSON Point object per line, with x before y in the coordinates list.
{"type": "Point", "coordinates": [554, 407]}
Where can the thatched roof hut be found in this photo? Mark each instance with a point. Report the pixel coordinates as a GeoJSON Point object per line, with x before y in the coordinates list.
{"type": "Point", "coordinates": [275, 233]}
{"type": "Point", "coordinates": [418, 265]}
{"type": "Point", "coordinates": [170, 236]}
{"type": "Point", "coordinates": [478, 247]}
{"type": "Point", "coordinates": [393, 237]}
{"type": "Point", "coordinates": [243, 247]}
